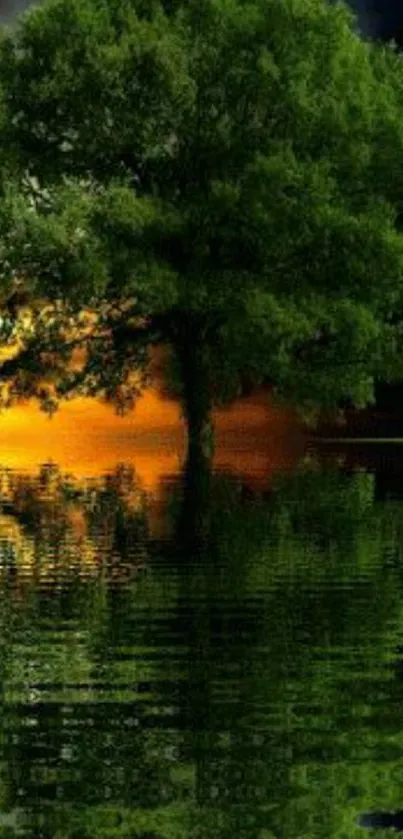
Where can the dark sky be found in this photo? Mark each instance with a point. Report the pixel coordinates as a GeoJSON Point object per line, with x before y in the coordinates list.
{"type": "Point", "coordinates": [378, 18]}
{"type": "Point", "coordinates": [9, 9]}
{"type": "Point", "coordinates": [381, 18]}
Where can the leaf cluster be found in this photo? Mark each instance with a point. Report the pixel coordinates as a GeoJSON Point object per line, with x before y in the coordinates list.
{"type": "Point", "coordinates": [237, 162]}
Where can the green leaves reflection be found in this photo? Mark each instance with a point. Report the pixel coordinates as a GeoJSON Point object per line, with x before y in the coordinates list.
{"type": "Point", "coordinates": [241, 678]}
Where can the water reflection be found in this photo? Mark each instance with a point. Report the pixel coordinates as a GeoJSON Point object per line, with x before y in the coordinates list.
{"type": "Point", "coordinates": [208, 661]}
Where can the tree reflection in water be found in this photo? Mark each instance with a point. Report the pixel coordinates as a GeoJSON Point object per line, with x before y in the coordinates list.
{"type": "Point", "coordinates": [62, 528]}
{"type": "Point", "coordinates": [226, 672]}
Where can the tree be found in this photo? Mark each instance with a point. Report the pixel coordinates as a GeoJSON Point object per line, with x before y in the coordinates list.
{"type": "Point", "coordinates": [199, 174]}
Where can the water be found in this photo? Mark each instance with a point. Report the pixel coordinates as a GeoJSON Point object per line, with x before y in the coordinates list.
{"type": "Point", "coordinates": [210, 661]}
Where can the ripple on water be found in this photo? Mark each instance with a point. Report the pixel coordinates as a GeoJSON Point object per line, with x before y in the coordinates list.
{"type": "Point", "coordinates": [232, 672]}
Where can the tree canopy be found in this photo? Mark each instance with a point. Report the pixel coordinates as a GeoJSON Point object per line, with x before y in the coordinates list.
{"type": "Point", "coordinates": [224, 176]}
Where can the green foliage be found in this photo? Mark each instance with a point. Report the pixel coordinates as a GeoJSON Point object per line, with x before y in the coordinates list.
{"type": "Point", "coordinates": [229, 172]}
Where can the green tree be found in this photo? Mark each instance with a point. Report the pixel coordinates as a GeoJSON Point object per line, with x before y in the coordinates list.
{"type": "Point", "coordinates": [219, 176]}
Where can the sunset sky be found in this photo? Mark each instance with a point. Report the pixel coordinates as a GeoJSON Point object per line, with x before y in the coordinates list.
{"type": "Point", "coordinates": [87, 438]}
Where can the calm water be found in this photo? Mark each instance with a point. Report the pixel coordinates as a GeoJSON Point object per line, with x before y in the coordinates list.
{"type": "Point", "coordinates": [209, 662]}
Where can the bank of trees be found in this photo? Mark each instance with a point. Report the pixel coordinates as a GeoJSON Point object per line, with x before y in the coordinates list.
{"type": "Point", "coordinates": [224, 177]}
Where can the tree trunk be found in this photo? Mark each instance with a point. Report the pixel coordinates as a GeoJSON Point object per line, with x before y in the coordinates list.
{"type": "Point", "coordinates": [197, 406]}
{"type": "Point", "coordinates": [196, 393]}
{"type": "Point", "coordinates": [194, 523]}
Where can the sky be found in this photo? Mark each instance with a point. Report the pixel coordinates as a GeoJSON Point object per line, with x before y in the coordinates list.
{"type": "Point", "coordinates": [378, 18]}
{"type": "Point", "coordinates": [9, 9]}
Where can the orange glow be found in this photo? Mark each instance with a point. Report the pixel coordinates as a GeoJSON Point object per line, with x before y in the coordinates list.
{"type": "Point", "coordinates": [86, 438]}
